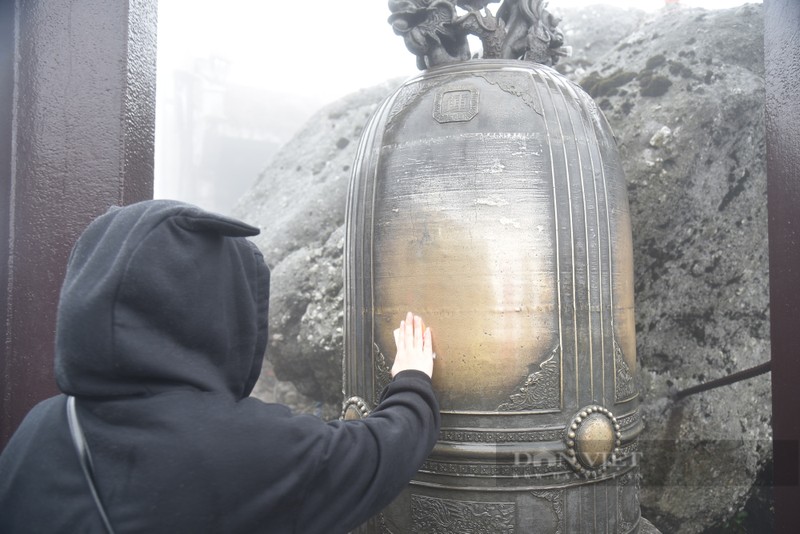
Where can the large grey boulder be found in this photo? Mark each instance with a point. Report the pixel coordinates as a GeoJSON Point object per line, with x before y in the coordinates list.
{"type": "Point", "coordinates": [683, 91]}
{"type": "Point", "coordinates": [591, 32]}
{"type": "Point", "coordinates": [299, 203]}
{"type": "Point", "coordinates": [685, 96]}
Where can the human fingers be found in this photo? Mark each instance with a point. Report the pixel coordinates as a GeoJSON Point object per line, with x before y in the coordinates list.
{"type": "Point", "coordinates": [418, 333]}
{"type": "Point", "coordinates": [409, 331]}
{"type": "Point", "coordinates": [397, 338]}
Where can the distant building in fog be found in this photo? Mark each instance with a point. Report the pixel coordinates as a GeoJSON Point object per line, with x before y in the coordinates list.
{"type": "Point", "coordinates": [213, 139]}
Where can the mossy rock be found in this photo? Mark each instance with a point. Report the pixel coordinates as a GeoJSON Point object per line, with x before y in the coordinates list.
{"type": "Point", "coordinates": [655, 62]}
{"type": "Point", "coordinates": [652, 85]}
{"type": "Point", "coordinates": [677, 68]}
{"type": "Point", "coordinates": [597, 86]}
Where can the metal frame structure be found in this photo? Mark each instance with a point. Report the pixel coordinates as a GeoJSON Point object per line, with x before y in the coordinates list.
{"type": "Point", "coordinates": [782, 81]}
{"type": "Point", "coordinates": [77, 128]}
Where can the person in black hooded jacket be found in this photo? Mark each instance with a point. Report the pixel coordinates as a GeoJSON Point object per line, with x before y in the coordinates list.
{"type": "Point", "coordinates": [161, 332]}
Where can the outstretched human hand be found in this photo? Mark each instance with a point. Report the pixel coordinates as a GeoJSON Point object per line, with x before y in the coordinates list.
{"type": "Point", "coordinates": [414, 346]}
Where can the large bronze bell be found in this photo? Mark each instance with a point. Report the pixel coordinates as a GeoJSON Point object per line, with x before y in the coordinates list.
{"type": "Point", "coordinates": [488, 197]}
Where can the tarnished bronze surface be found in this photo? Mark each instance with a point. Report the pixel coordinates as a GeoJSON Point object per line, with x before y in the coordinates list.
{"type": "Point", "coordinates": [489, 198]}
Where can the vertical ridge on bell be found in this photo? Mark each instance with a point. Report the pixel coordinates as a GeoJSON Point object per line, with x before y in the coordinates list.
{"type": "Point", "coordinates": [595, 247]}
{"type": "Point", "coordinates": [380, 367]}
{"type": "Point", "coordinates": [608, 340]}
{"type": "Point", "coordinates": [585, 279]}
{"type": "Point", "coordinates": [621, 263]}
{"type": "Point", "coordinates": [358, 242]}
{"type": "Point", "coordinates": [567, 275]}
{"type": "Point", "coordinates": [557, 241]}
{"type": "Point", "coordinates": [594, 261]}
{"type": "Point", "coordinates": [601, 237]}
{"type": "Point", "coordinates": [611, 505]}
{"type": "Point", "coordinates": [604, 229]}
{"type": "Point", "coordinates": [581, 267]}
{"type": "Point", "coordinates": [591, 206]}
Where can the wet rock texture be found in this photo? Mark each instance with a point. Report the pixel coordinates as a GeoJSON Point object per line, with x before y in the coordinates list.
{"type": "Point", "coordinates": [683, 91]}
{"type": "Point", "coordinates": [684, 94]}
{"type": "Point", "coordinates": [299, 203]}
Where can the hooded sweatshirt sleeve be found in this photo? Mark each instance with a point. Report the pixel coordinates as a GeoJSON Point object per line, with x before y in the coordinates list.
{"type": "Point", "coordinates": [363, 465]}
{"type": "Point", "coordinates": [162, 329]}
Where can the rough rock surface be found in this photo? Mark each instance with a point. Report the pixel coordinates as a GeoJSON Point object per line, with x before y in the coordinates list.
{"type": "Point", "coordinates": [299, 203]}
{"type": "Point", "coordinates": [592, 31]}
{"type": "Point", "coordinates": [684, 95]}
{"type": "Point", "coordinates": [683, 91]}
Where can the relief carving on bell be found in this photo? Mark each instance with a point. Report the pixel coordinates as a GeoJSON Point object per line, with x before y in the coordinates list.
{"type": "Point", "coordinates": [488, 196]}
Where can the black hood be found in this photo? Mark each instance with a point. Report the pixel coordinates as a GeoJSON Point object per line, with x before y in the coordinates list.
{"type": "Point", "coordinates": [160, 296]}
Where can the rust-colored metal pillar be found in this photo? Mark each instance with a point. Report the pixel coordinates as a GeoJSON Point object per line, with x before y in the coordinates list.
{"type": "Point", "coordinates": [77, 125]}
{"type": "Point", "coordinates": [6, 104]}
{"type": "Point", "coordinates": [782, 62]}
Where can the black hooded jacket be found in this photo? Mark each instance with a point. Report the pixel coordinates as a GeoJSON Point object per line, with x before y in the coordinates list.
{"type": "Point", "coordinates": [162, 327]}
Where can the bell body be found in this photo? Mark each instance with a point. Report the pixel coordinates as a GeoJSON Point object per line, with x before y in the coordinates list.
{"type": "Point", "coordinates": [489, 198]}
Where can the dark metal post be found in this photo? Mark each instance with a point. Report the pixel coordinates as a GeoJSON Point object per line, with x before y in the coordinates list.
{"type": "Point", "coordinates": [782, 62]}
{"type": "Point", "coordinates": [724, 381]}
{"type": "Point", "coordinates": [77, 121]}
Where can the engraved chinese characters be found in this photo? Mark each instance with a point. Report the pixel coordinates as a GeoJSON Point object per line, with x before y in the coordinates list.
{"type": "Point", "coordinates": [488, 197]}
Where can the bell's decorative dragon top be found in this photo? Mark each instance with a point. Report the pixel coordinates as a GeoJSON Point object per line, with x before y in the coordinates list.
{"type": "Point", "coordinates": [436, 31]}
